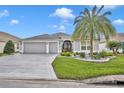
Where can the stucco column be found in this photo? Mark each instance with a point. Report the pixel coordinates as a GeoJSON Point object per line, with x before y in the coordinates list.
{"type": "Point", "coordinates": [47, 47]}
{"type": "Point", "coordinates": [59, 51]}
{"type": "Point", "coordinates": [22, 48]}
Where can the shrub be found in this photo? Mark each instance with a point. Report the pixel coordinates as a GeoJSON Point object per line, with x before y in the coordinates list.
{"type": "Point", "coordinates": [74, 54]}
{"type": "Point", "coordinates": [66, 54]}
{"type": "Point", "coordinates": [82, 54]}
{"type": "Point", "coordinates": [103, 54]}
{"type": "Point", "coordinates": [97, 56]}
{"type": "Point", "coordinates": [114, 46]}
{"type": "Point", "coordinates": [9, 47]}
{"type": "Point", "coordinates": [77, 53]}
{"type": "Point", "coordinates": [95, 53]}
{"type": "Point", "coordinates": [109, 54]}
{"type": "Point", "coordinates": [123, 52]}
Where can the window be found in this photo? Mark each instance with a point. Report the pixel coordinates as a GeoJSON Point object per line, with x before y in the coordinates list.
{"type": "Point", "coordinates": [84, 47]}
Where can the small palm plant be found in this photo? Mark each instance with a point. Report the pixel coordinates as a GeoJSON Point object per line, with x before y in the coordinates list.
{"type": "Point", "coordinates": [114, 46]}
{"type": "Point", "coordinates": [89, 25]}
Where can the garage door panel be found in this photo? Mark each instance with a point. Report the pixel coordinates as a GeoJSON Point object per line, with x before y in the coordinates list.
{"type": "Point", "coordinates": [35, 47]}
{"type": "Point", "coordinates": [53, 47]}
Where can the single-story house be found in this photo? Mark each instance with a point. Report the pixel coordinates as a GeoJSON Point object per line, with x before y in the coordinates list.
{"type": "Point", "coordinates": [119, 37]}
{"type": "Point", "coordinates": [49, 43]}
{"type": "Point", "coordinates": [53, 43]}
{"type": "Point", "coordinates": [5, 37]}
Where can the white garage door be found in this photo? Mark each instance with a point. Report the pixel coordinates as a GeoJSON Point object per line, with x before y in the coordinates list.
{"type": "Point", "coordinates": [53, 47]}
{"type": "Point", "coordinates": [35, 47]}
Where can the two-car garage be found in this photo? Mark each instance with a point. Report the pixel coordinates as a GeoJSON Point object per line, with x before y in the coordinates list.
{"type": "Point", "coordinates": [40, 47]}
{"type": "Point", "coordinates": [44, 44]}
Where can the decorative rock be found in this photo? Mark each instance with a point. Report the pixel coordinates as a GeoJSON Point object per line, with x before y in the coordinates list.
{"type": "Point", "coordinates": [96, 60]}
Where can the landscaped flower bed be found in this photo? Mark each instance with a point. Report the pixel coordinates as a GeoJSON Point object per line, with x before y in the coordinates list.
{"type": "Point", "coordinates": [97, 60]}
{"type": "Point", "coordinates": [102, 56]}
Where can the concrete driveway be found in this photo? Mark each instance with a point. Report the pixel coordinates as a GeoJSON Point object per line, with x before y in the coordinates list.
{"type": "Point", "coordinates": [27, 66]}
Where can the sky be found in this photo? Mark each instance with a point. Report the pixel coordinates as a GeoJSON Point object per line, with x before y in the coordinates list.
{"type": "Point", "coordinates": [25, 21]}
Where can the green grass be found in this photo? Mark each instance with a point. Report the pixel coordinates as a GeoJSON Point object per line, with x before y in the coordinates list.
{"type": "Point", "coordinates": [1, 54]}
{"type": "Point", "coordinates": [69, 68]}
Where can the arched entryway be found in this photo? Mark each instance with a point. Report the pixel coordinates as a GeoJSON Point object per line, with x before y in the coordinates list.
{"type": "Point", "coordinates": [67, 46]}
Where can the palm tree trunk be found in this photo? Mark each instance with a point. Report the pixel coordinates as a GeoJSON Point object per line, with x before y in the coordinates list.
{"type": "Point", "coordinates": [91, 45]}
{"type": "Point", "coordinates": [114, 52]}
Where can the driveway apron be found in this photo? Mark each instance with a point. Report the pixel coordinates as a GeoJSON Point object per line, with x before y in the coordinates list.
{"type": "Point", "coordinates": [27, 66]}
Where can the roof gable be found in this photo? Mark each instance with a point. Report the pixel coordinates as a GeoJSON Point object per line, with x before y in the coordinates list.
{"type": "Point", "coordinates": [5, 37]}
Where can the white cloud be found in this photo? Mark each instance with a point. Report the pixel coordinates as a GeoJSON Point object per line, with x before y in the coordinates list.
{"type": "Point", "coordinates": [62, 27]}
{"type": "Point", "coordinates": [63, 13]}
{"type": "Point", "coordinates": [14, 22]}
{"type": "Point", "coordinates": [53, 26]}
{"type": "Point", "coordinates": [4, 13]}
{"type": "Point", "coordinates": [119, 22]}
{"type": "Point", "coordinates": [63, 31]}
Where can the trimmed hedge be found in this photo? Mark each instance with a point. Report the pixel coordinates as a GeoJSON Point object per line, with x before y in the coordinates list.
{"type": "Point", "coordinates": [102, 54]}
{"type": "Point", "coordinates": [66, 54]}
{"type": "Point", "coordinates": [109, 54]}
{"type": "Point", "coordinates": [82, 54]}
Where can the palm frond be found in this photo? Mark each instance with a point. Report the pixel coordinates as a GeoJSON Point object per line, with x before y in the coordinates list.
{"type": "Point", "coordinates": [87, 12]}
{"type": "Point", "coordinates": [100, 9]}
{"type": "Point", "coordinates": [106, 13]}
{"type": "Point", "coordinates": [94, 10]}
{"type": "Point", "coordinates": [77, 19]}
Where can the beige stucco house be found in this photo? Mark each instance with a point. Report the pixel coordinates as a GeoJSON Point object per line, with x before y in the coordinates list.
{"type": "Point", "coordinates": [49, 43]}
{"type": "Point", "coordinates": [102, 45]}
{"type": "Point", "coordinates": [5, 37]}
{"type": "Point", "coordinates": [53, 43]}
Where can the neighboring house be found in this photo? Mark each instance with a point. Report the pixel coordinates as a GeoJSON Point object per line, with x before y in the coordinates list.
{"type": "Point", "coordinates": [119, 37]}
{"type": "Point", "coordinates": [49, 43]}
{"type": "Point", "coordinates": [5, 37]}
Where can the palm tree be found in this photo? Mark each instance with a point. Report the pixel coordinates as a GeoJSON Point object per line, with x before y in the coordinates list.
{"type": "Point", "coordinates": [89, 25]}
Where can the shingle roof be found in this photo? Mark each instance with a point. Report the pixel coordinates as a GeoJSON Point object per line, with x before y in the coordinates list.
{"type": "Point", "coordinates": [48, 36]}
{"type": "Point", "coordinates": [60, 34]}
{"type": "Point", "coordinates": [6, 36]}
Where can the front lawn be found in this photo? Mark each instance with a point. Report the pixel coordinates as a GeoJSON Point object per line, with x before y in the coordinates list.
{"type": "Point", "coordinates": [1, 54]}
{"type": "Point", "coordinates": [69, 68]}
